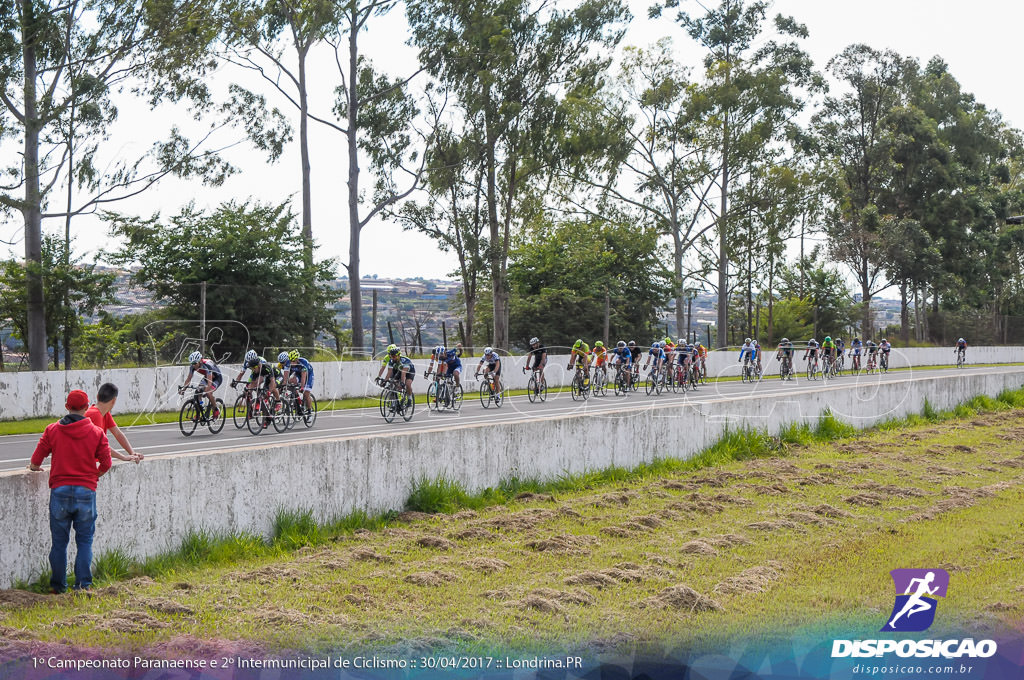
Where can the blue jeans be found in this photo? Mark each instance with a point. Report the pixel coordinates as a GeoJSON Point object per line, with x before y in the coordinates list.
{"type": "Point", "coordinates": [71, 506]}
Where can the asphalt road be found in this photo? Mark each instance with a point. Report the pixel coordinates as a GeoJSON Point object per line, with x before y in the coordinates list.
{"type": "Point", "coordinates": [166, 439]}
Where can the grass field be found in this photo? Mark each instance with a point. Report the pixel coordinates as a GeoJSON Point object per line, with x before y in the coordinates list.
{"type": "Point", "coordinates": [761, 536]}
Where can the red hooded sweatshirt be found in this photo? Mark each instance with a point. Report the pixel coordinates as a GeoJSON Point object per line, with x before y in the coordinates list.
{"type": "Point", "coordinates": [80, 452]}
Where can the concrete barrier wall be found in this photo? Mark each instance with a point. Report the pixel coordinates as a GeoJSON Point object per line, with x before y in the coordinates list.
{"type": "Point", "coordinates": [144, 390]}
{"type": "Point", "coordinates": [146, 509]}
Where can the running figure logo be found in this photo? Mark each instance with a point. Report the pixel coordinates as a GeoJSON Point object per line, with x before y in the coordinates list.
{"type": "Point", "coordinates": [916, 591]}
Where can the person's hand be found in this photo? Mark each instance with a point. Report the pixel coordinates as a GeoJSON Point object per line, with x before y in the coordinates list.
{"type": "Point", "coordinates": [138, 457]}
{"type": "Point", "coordinates": [181, 390]}
{"type": "Point", "coordinates": [35, 468]}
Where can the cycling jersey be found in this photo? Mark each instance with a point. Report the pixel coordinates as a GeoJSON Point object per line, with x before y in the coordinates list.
{"type": "Point", "coordinates": [961, 345]}
{"type": "Point", "coordinates": [535, 356]}
{"type": "Point", "coordinates": [210, 372]}
{"type": "Point", "coordinates": [749, 349]}
{"type": "Point", "coordinates": [657, 353]}
{"type": "Point", "coordinates": [600, 355]}
{"type": "Point", "coordinates": [636, 353]}
{"type": "Point", "coordinates": [261, 366]}
{"type": "Point", "coordinates": [491, 359]}
{"type": "Point", "coordinates": [702, 351]}
{"type": "Point", "coordinates": [828, 347]}
{"type": "Point", "coordinates": [623, 355]}
{"type": "Point", "coordinates": [787, 349]}
{"type": "Point", "coordinates": [856, 347]}
{"type": "Point", "coordinates": [885, 347]}
{"type": "Point", "coordinates": [400, 362]}
{"type": "Point", "coordinates": [583, 351]}
{"type": "Point", "coordinates": [296, 368]}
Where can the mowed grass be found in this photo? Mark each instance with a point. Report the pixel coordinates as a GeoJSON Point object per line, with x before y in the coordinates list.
{"type": "Point", "coordinates": [762, 536]}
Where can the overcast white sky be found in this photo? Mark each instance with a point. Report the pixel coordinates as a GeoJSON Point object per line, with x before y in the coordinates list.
{"type": "Point", "coordinates": [979, 40]}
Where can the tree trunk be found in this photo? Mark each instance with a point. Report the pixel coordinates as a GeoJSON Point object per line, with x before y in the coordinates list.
{"type": "Point", "coordinates": [865, 291]}
{"type": "Point", "coordinates": [677, 261]}
{"type": "Point", "coordinates": [723, 259]}
{"type": "Point", "coordinates": [355, 293]}
{"type": "Point", "coordinates": [771, 301]}
{"type": "Point", "coordinates": [307, 200]}
{"type": "Point", "coordinates": [904, 315]}
{"type": "Point", "coordinates": [32, 211]}
{"type": "Point", "coordinates": [500, 338]}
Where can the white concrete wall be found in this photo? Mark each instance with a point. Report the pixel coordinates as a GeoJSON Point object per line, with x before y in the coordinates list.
{"type": "Point", "coordinates": [146, 509]}
{"type": "Point", "coordinates": [144, 390]}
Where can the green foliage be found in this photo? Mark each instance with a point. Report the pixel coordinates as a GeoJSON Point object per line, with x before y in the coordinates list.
{"type": "Point", "coordinates": [64, 278]}
{"type": "Point", "coordinates": [830, 428]}
{"type": "Point", "coordinates": [560, 275]}
{"type": "Point", "coordinates": [439, 495]}
{"type": "Point", "coordinates": [113, 565]}
{"type": "Point", "coordinates": [295, 528]}
{"type": "Point", "coordinates": [250, 256]}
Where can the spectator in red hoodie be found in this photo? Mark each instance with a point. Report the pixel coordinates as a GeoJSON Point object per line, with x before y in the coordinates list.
{"type": "Point", "coordinates": [99, 414]}
{"type": "Point", "coordinates": [81, 456]}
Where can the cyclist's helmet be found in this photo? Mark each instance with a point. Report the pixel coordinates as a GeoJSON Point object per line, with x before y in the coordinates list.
{"type": "Point", "coordinates": [785, 340]}
{"type": "Point", "coordinates": [960, 340]}
{"type": "Point", "coordinates": [577, 344]}
{"type": "Point", "coordinates": [534, 341]}
{"type": "Point", "coordinates": [439, 350]}
{"type": "Point", "coordinates": [828, 338]}
{"type": "Point", "coordinates": [856, 339]}
{"type": "Point", "coordinates": [620, 344]}
{"type": "Point", "coordinates": [294, 355]}
{"type": "Point", "coordinates": [667, 340]}
{"type": "Point", "coordinates": [632, 343]}
{"type": "Point", "coordinates": [251, 356]}
{"type": "Point", "coordinates": [282, 357]}
{"type": "Point", "coordinates": [680, 341]}
{"type": "Point", "coordinates": [598, 344]}
{"type": "Point", "coordinates": [195, 357]}
{"type": "Point", "coordinates": [839, 339]}
{"type": "Point", "coordinates": [812, 341]}
{"type": "Point", "coordinates": [884, 340]}
{"type": "Point", "coordinates": [488, 350]}
{"type": "Point", "coordinates": [393, 350]}
{"type": "Point", "coordinates": [656, 345]}
{"type": "Point", "coordinates": [689, 346]}
{"type": "Point", "coordinates": [747, 341]}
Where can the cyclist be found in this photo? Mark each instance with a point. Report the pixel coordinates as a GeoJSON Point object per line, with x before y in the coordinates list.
{"type": "Point", "coordinates": [212, 378]}
{"type": "Point", "coordinates": [448, 361]}
{"type": "Point", "coordinates": [828, 350]}
{"type": "Point", "coordinates": [635, 352]}
{"type": "Point", "coordinates": [657, 353]}
{"type": "Point", "coordinates": [689, 360]}
{"type": "Point", "coordinates": [300, 372]}
{"type": "Point", "coordinates": [599, 357]}
{"type": "Point", "coordinates": [961, 349]}
{"type": "Point", "coordinates": [702, 352]}
{"type": "Point", "coordinates": [261, 368]}
{"type": "Point", "coordinates": [400, 367]}
{"type": "Point", "coordinates": [757, 351]}
{"type": "Point", "coordinates": [885, 347]}
{"type": "Point", "coordinates": [622, 357]}
{"type": "Point", "coordinates": [840, 351]}
{"type": "Point", "coordinates": [785, 354]}
{"type": "Point", "coordinates": [580, 353]}
{"type": "Point", "coordinates": [749, 349]}
{"type": "Point", "coordinates": [855, 349]}
{"type": "Point", "coordinates": [811, 350]}
{"type": "Point", "coordinates": [536, 358]}
{"type": "Point", "coordinates": [493, 365]}
{"type": "Point", "coordinates": [872, 352]}
{"type": "Point", "coordinates": [670, 352]}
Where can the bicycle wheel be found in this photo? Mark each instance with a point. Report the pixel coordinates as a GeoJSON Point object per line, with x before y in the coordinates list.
{"type": "Point", "coordinates": [309, 416]}
{"type": "Point", "coordinates": [216, 422]}
{"type": "Point", "coordinates": [281, 418]}
{"type": "Point", "coordinates": [389, 406]}
{"type": "Point", "coordinates": [531, 390]}
{"type": "Point", "coordinates": [408, 406]}
{"type": "Point", "coordinates": [256, 416]}
{"type": "Point", "coordinates": [239, 413]}
{"type": "Point", "coordinates": [188, 418]}
{"type": "Point", "coordinates": [485, 394]}
{"type": "Point", "coordinates": [620, 386]}
{"type": "Point", "coordinates": [577, 388]}
{"type": "Point", "coordinates": [433, 403]}
{"type": "Point", "coordinates": [457, 396]}
{"type": "Point", "coordinates": [650, 384]}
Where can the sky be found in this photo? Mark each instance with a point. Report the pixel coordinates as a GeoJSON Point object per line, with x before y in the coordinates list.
{"type": "Point", "coordinates": [979, 41]}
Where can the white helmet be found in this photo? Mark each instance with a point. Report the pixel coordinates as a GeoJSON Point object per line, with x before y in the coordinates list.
{"type": "Point", "coordinates": [251, 355]}
{"type": "Point", "coordinates": [960, 340]}
{"type": "Point", "coordinates": [439, 349]}
{"type": "Point", "coordinates": [282, 357]}
{"type": "Point", "coordinates": [747, 341]}
{"type": "Point", "coordinates": [488, 350]}
{"type": "Point", "coordinates": [195, 357]}
{"type": "Point", "coordinates": [534, 341]}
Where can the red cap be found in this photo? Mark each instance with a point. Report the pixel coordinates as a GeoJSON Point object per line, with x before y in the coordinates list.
{"type": "Point", "coordinates": [77, 400]}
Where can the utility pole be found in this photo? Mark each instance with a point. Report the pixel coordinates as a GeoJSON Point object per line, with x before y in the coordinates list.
{"type": "Point", "coordinates": [373, 337]}
{"type": "Point", "coordinates": [202, 317]}
{"type": "Point", "coordinates": [607, 315]}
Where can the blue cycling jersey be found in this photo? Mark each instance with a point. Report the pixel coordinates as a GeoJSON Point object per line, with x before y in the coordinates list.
{"type": "Point", "coordinates": [657, 353]}
{"type": "Point", "coordinates": [297, 367]}
{"type": "Point", "coordinates": [624, 354]}
{"type": "Point", "coordinates": [451, 355]}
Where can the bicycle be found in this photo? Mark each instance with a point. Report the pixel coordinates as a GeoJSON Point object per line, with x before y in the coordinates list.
{"type": "Point", "coordinates": [623, 380]}
{"type": "Point", "coordinates": [599, 384]}
{"type": "Point", "coordinates": [655, 381]}
{"type": "Point", "coordinates": [786, 371]}
{"type": "Point", "coordinates": [855, 363]}
{"type": "Point", "coordinates": [580, 385]}
{"type": "Point", "coordinates": [194, 413]}
{"type": "Point", "coordinates": [703, 370]}
{"type": "Point", "coordinates": [243, 405]}
{"type": "Point", "coordinates": [264, 412]}
{"type": "Point", "coordinates": [961, 358]}
{"type": "Point", "coordinates": [828, 367]}
{"type": "Point", "coordinates": [883, 363]}
{"type": "Point", "coordinates": [812, 367]}
{"type": "Point", "coordinates": [295, 407]}
{"type": "Point", "coordinates": [444, 393]}
{"type": "Point", "coordinates": [872, 362]}
{"type": "Point", "coordinates": [751, 373]}
{"type": "Point", "coordinates": [394, 401]}
{"type": "Point", "coordinates": [537, 387]}
{"type": "Point", "coordinates": [488, 392]}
